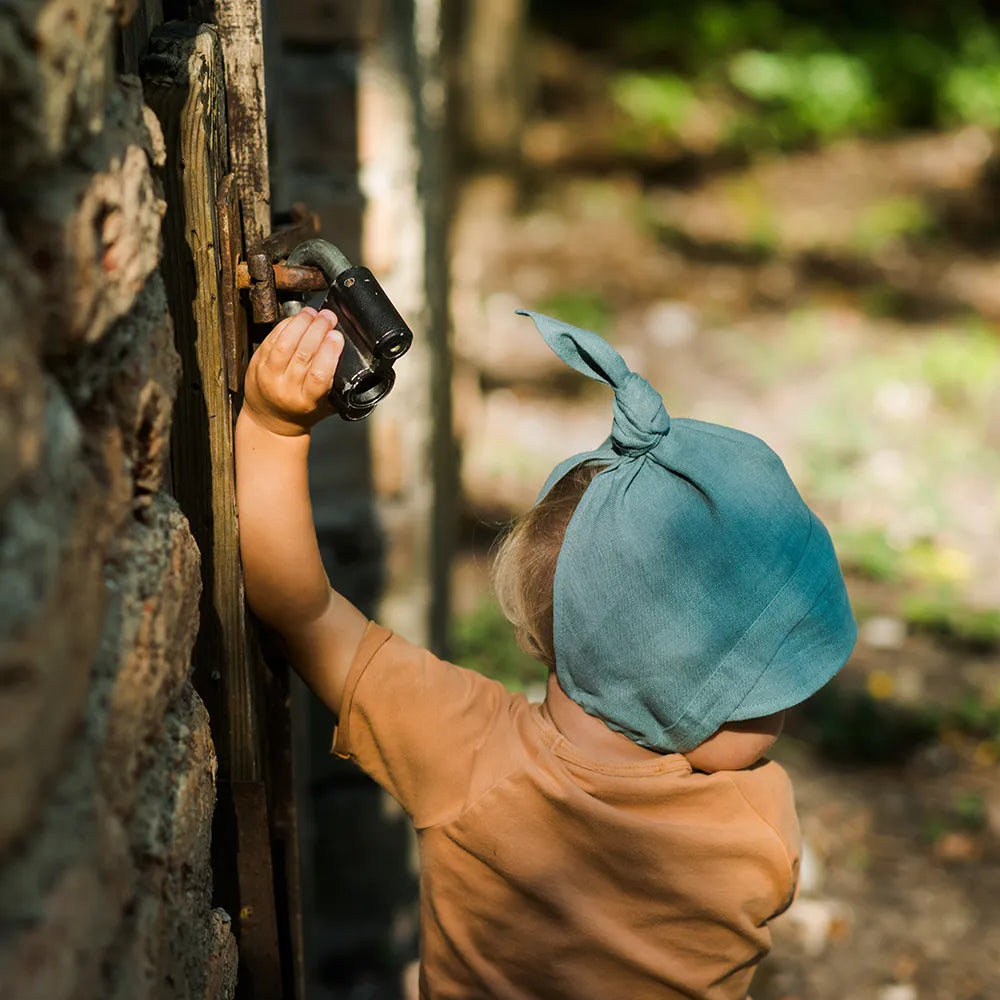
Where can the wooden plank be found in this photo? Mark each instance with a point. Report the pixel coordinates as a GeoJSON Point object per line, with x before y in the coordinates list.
{"type": "Point", "coordinates": [250, 713]}
{"type": "Point", "coordinates": [239, 23]}
{"type": "Point", "coordinates": [234, 318]}
{"type": "Point", "coordinates": [240, 27]}
{"type": "Point", "coordinates": [183, 85]}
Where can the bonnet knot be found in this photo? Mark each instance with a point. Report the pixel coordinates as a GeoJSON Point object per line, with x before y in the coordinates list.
{"type": "Point", "coordinates": [640, 419]}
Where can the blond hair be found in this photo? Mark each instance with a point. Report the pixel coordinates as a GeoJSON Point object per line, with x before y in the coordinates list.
{"type": "Point", "coordinates": [524, 564]}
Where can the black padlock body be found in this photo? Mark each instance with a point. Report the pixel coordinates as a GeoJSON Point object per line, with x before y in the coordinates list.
{"type": "Point", "coordinates": [360, 379]}
{"type": "Point", "coordinates": [359, 299]}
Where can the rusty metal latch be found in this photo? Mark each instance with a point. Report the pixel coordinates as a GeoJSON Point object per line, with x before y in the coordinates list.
{"type": "Point", "coordinates": [302, 225]}
{"type": "Point", "coordinates": [293, 261]}
{"type": "Point", "coordinates": [287, 278]}
{"type": "Point", "coordinates": [262, 274]}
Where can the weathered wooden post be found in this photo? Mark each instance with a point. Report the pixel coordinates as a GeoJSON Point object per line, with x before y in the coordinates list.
{"type": "Point", "coordinates": [193, 75]}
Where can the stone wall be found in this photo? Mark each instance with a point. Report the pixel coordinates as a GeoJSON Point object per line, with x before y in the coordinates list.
{"type": "Point", "coordinates": [106, 761]}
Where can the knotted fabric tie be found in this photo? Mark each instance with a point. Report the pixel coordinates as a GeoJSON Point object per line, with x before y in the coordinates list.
{"type": "Point", "coordinates": [640, 419]}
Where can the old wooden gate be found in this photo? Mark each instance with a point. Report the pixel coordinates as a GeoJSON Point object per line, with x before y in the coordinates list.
{"type": "Point", "coordinates": [203, 77]}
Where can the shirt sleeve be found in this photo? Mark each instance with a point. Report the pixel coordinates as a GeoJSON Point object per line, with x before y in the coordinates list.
{"type": "Point", "coordinates": [767, 790]}
{"type": "Point", "coordinates": [416, 724]}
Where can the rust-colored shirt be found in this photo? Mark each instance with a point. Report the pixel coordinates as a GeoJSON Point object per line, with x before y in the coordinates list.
{"type": "Point", "coordinates": [549, 876]}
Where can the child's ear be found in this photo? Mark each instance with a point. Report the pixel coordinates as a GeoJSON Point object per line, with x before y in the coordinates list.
{"type": "Point", "coordinates": [527, 643]}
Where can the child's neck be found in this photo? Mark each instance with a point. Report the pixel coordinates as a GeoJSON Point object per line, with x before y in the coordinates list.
{"type": "Point", "coordinates": [588, 734]}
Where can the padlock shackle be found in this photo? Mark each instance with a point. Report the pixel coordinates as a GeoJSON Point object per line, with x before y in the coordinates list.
{"type": "Point", "coordinates": [375, 335]}
{"type": "Point", "coordinates": [322, 254]}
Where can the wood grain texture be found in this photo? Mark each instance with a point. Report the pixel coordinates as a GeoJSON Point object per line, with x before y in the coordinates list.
{"type": "Point", "coordinates": [183, 85]}
{"type": "Point", "coordinates": [185, 71]}
{"type": "Point", "coordinates": [234, 318]}
{"type": "Point", "coordinates": [239, 24]}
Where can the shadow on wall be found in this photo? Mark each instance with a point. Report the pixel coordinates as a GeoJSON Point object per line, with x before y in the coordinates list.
{"type": "Point", "coordinates": [361, 927]}
{"type": "Point", "coordinates": [359, 881]}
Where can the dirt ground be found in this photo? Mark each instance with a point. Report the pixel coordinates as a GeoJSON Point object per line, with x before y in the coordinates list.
{"type": "Point", "coordinates": [777, 298]}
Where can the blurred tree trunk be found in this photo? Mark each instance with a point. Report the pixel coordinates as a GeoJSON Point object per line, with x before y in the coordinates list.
{"type": "Point", "coordinates": [494, 78]}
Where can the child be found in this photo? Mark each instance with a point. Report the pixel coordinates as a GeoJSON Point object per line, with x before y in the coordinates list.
{"type": "Point", "coordinates": [624, 839]}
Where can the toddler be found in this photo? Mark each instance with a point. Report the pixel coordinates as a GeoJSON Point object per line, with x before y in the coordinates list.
{"type": "Point", "coordinates": [625, 839]}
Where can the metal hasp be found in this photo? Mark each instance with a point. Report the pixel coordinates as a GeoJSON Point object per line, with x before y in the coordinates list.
{"type": "Point", "coordinates": [300, 225]}
{"type": "Point", "coordinates": [375, 335]}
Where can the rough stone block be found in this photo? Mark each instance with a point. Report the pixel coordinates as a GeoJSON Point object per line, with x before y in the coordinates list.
{"type": "Point", "coordinates": [171, 833]}
{"type": "Point", "coordinates": [144, 657]}
{"type": "Point", "coordinates": [220, 969]}
{"type": "Point", "coordinates": [123, 388]}
{"type": "Point", "coordinates": [22, 407]}
{"type": "Point", "coordinates": [172, 823]}
{"type": "Point", "coordinates": [53, 538]}
{"type": "Point", "coordinates": [141, 967]}
{"type": "Point", "coordinates": [133, 967]}
{"type": "Point", "coordinates": [55, 71]}
{"type": "Point", "coordinates": [63, 893]}
{"type": "Point", "coordinates": [22, 390]}
{"type": "Point", "coordinates": [92, 229]}
{"type": "Point", "coordinates": [172, 943]}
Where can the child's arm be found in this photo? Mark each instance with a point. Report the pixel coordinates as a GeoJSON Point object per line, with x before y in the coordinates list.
{"type": "Point", "coordinates": [285, 395]}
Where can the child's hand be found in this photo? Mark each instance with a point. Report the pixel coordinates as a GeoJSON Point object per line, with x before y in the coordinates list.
{"type": "Point", "coordinates": [290, 373]}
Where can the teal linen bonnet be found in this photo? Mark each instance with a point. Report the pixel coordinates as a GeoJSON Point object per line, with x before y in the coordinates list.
{"type": "Point", "coordinates": [694, 587]}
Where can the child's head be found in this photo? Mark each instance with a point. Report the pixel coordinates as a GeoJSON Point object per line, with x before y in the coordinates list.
{"type": "Point", "coordinates": [673, 577]}
{"type": "Point", "coordinates": [524, 566]}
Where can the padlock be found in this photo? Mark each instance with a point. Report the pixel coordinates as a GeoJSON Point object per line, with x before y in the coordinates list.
{"type": "Point", "coordinates": [375, 335]}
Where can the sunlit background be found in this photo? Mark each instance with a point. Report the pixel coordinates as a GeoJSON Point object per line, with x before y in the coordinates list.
{"type": "Point", "coordinates": [786, 216]}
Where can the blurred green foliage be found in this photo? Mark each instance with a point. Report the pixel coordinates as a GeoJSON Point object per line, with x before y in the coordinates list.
{"type": "Point", "coordinates": [580, 307]}
{"type": "Point", "coordinates": [891, 220]}
{"type": "Point", "coordinates": [868, 552]}
{"type": "Point", "coordinates": [794, 72]}
{"type": "Point", "coordinates": [970, 811]}
{"type": "Point", "coordinates": [484, 640]}
{"type": "Point", "coordinates": [799, 96]}
{"type": "Point", "coordinates": [922, 402]}
{"type": "Point", "coordinates": [944, 612]}
{"type": "Point", "coordinates": [881, 300]}
{"type": "Point", "coordinates": [654, 100]}
{"type": "Point", "coordinates": [850, 725]}
{"type": "Point", "coordinates": [930, 601]}
{"type": "Point", "coordinates": [974, 716]}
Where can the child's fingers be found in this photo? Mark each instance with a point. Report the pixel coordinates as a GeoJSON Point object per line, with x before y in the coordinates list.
{"type": "Point", "coordinates": [312, 337]}
{"type": "Point", "coordinates": [280, 343]}
{"type": "Point", "coordinates": [318, 377]}
{"type": "Point", "coordinates": [303, 351]}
